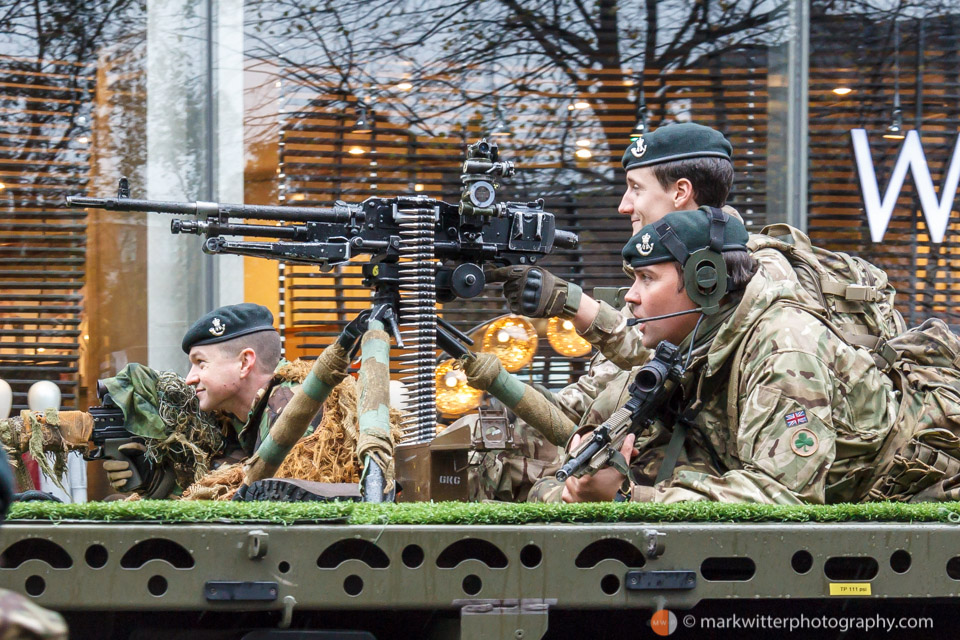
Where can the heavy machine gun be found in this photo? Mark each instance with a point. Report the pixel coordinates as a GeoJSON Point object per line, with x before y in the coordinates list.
{"type": "Point", "coordinates": [431, 248]}
{"type": "Point", "coordinates": [463, 236]}
{"type": "Point", "coordinates": [422, 251]}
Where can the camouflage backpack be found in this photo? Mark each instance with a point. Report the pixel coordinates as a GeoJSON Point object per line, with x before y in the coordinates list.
{"type": "Point", "coordinates": [920, 461]}
{"type": "Point", "coordinates": [856, 295]}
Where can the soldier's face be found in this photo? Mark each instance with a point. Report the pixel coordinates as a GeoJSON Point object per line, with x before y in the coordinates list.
{"type": "Point", "coordinates": [655, 292]}
{"type": "Point", "coordinates": [215, 374]}
{"type": "Point", "coordinates": [645, 200]}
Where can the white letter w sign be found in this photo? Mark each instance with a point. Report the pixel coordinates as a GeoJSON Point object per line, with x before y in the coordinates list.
{"type": "Point", "coordinates": [935, 211]}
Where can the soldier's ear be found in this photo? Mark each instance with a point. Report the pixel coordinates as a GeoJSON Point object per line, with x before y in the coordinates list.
{"type": "Point", "coordinates": [683, 195]}
{"type": "Point", "coordinates": [248, 361]}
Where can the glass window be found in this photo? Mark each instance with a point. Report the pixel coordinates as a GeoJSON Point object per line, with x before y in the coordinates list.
{"type": "Point", "coordinates": [353, 99]}
{"type": "Point", "coordinates": [62, 65]}
{"type": "Point", "coordinates": [895, 82]}
{"type": "Point", "coordinates": [298, 102]}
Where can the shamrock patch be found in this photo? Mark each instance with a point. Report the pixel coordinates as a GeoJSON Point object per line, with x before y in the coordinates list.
{"type": "Point", "coordinates": [804, 442]}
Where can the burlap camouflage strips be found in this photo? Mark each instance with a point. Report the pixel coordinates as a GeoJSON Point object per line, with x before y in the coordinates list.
{"type": "Point", "coordinates": [21, 619]}
{"type": "Point", "coordinates": [198, 441]}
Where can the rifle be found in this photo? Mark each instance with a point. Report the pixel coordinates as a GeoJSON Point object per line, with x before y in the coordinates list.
{"type": "Point", "coordinates": [109, 434]}
{"type": "Point", "coordinates": [651, 388]}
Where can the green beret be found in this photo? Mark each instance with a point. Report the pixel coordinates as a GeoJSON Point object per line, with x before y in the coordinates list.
{"type": "Point", "coordinates": [679, 234]}
{"type": "Point", "coordinates": [676, 142]}
{"type": "Point", "coordinates": [227, 323]}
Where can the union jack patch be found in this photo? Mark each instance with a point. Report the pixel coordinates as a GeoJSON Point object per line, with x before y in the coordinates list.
{"type": "Point", "coordinates": [796, 418]}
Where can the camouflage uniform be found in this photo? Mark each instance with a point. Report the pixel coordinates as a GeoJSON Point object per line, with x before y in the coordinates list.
{"type": "Point", "coordinates": [265, 410]}
{"type": "Point", "coordinates": [806, 412]}
{"type": "Point", "coordinates": [508, 475]}
{"type": "Point", "coordinates": [620, 350]}
{"type": "Point", "coordinates": [135, 390]}
{"type": "Point", "coordinates": [21, 619]}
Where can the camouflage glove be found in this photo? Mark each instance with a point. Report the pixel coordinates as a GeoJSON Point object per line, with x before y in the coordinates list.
{"type": "Point", "coordinates": [537, 293]}
{"type": "Point", "coordinates": [482, 369]}
{"type": "Point", "coordinates": [118, 471]}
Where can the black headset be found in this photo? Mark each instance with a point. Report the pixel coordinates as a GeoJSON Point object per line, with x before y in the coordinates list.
{"type": "Point", "coordinates": [704, 271]}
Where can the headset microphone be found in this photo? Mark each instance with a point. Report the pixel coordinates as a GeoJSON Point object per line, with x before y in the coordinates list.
{"type": "Point", "coordinates": [636, 321]}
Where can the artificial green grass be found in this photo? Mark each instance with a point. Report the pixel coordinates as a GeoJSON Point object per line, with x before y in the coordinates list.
{"type": "Point", "coordinates": [458, 513]}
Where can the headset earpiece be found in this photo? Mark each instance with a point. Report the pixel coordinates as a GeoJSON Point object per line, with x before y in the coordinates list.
{"type": "Point", "coordinates": [704, 270]}
{"type": "Point", "coordinates": [705, 279]}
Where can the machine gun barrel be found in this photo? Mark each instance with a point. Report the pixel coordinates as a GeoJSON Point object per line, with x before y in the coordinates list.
{"type": "Point", "coordinates": [338, 214]}
{"type": "Point", "coordinates": [394, 231]}
{"type": "Point", "coordinates": [198, 227]}
{"type": "Point", "coordinates": [565, 239]}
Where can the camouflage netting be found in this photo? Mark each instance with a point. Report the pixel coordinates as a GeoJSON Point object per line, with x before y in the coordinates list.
{"type": "Point", "coordinates": [40, 433]}
{"type": "Point", "coordinates": [327, 455]}
{"type": "Point", "coordinates": [193, 437]}
{"type": "Point", "coordinates": [160, 407]}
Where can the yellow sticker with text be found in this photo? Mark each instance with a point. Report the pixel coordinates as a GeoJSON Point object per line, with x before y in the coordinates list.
{"type": "Point", "coordinates": [850, 589]}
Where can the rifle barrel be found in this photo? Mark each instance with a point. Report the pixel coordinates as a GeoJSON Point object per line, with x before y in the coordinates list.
{"type": "Point", "coordinates": [197, 227]}
{"type": "Point", "coordinates": [575, 464]}
{"type": "Point", "coordinates": [337, 214]}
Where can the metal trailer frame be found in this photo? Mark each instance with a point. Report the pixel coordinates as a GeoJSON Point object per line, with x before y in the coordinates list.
{"type": "Point", "coordinates": [501, 580]}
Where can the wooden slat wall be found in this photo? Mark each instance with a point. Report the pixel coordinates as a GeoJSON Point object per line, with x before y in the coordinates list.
{"type": "Point", "coordinates": [926, 275]}
{"type": "Point", "coordinates": [44, 156]}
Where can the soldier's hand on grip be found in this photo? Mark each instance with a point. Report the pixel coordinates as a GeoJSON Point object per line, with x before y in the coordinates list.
{"type": "Point", "coordinates": [535, 292]}
{"type": "Point", "coordinates": [118, 471]}
{"type": "Point", "coordinates": [601, 486]}
{"type": "Point", "coordinates": [482, 369]}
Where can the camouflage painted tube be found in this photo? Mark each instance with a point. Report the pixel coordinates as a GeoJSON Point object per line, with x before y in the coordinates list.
{"type": "Point", "coordinates": [328, 371]}
{"type": "Point", "coordinates": [485, 372]}
{"type": "Point", "coordinates": [375, 444]}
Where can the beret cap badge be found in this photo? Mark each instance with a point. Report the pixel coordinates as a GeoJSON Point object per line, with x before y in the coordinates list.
{"type": "Point", "coordinates": [678, 141]}
{"type": "Point", "coordinates": [644, 247]}
{"type": "Point", "coordinates": [218, 327]}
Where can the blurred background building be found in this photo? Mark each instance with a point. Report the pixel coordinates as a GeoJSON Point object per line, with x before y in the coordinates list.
{"type": "Point", "coordinates": [308, 102]}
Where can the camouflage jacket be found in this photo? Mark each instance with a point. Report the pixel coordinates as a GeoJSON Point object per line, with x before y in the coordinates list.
{"type": "Point", "coordinates": [269, 403]}
{"type": "Point", "coordinates": [136, 391]}
{"type": "Point", "coordinates": [805, 412]}
{"type": "Point", "coordinates": [508, 474]}
{"type": "Point", "coordinates": [621, 348]}
{"type": "Point", "coordinates": [620, 344]}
